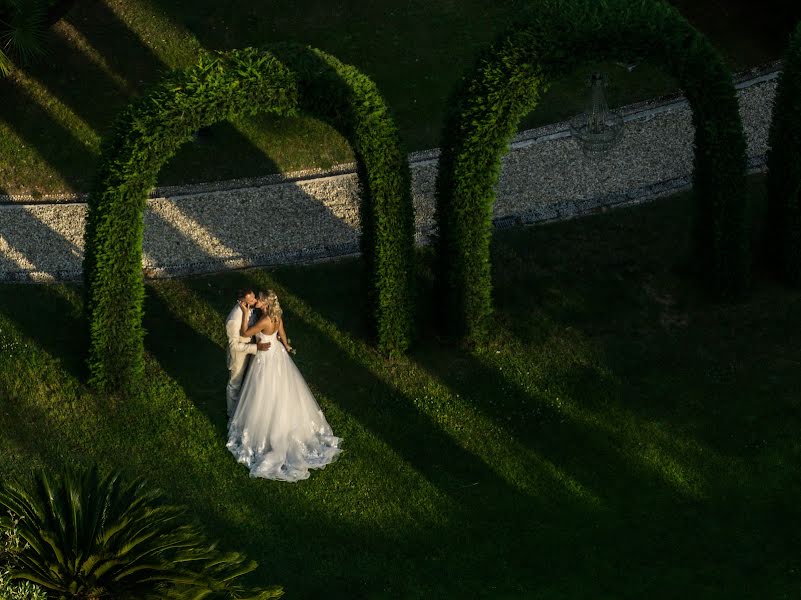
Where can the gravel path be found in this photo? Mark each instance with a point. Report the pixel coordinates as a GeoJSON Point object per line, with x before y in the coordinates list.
{"type": "Point", "coordinates": [308, 216]}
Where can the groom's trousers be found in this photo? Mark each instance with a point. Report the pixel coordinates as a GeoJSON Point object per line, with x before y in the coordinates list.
{"type": "Point", "coordinates": [236, 373]}
{"type": "Point", "coordinates": [239, 350]}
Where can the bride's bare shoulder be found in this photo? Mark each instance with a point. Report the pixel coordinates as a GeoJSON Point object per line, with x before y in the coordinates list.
{"type": "Point", "coordinates": [268, 325]}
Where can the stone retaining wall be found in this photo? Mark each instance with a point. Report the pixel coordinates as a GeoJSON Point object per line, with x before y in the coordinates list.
{"type": "Point", "coordinates": [308, 216]}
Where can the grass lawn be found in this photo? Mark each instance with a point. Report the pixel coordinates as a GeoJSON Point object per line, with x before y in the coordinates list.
{"type": "Point", "coordinates": [53, 114]}
{"type": "Point", "coordinates": [619, 435]}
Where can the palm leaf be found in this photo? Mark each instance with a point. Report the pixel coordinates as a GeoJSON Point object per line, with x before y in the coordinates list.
{"type": "Point", "coordinates": [35, 577]}
{"type": "Point", "coordinates": [99, 537]}
{"type": "Point", "coordinates": [5, 64]}
{"type": "Point", "coordinates": [24, 35]}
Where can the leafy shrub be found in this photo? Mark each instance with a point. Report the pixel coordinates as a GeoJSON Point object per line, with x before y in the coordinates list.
{"type": "Point", "coordinates": [507, 83]}
{"type": "Point", "coordinates": [11, 544]}
{"type": "Point", "coordinates": [87, 536]}
{"type": "Point", "coordinates": [783, 229]}
{"type": "Point", "coordinates": [18, 590]}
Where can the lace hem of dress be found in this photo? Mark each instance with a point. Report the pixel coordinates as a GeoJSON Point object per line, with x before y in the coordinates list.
{"type": "Point", "coordinates": [292, 465]}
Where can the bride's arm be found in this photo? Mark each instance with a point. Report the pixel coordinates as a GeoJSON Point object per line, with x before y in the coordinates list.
{"type": "Point", "coordinates": [282, 335]}
{"type": "Point", "coordinates": [234, 339]}
{"type": "Point", "coordinates": [245, 317]}
{"type": "Point", "coordinates": [246, 331]}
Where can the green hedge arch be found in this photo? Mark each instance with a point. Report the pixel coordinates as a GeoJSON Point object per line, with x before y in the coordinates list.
{"type": "Point", "coordinates": [783, 227]}
{"type": "Point", "coordinates": [507, 83]}
{"type": "Point", "coordinates": [350, 102]}
{"type": "Point", "coordinates": [224, 85]}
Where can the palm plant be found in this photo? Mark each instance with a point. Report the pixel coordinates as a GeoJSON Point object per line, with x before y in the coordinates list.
{"type": "Point", "coordinates": [23, 25]}
{"type": "Point", "coordinates": [92, 537]}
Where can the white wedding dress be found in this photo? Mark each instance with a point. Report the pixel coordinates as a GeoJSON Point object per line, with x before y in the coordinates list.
{"type": "Point", "coordinates": [278, 430]}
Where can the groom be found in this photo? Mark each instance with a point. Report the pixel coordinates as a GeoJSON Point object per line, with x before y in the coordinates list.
{"type": "Point", "coordinates": [239, 348]}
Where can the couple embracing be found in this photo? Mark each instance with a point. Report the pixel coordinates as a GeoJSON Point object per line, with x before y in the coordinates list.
{"type": "Point", "coordinates": [276, 427]}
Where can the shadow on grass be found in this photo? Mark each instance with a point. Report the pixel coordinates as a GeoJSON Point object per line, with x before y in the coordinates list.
{"type": "Point", "coordinates": [51, 317]}
{"type": "Point", "coordinates": [200, 161]}
{"type": "Point", "coordinates": [34, 435]}
{"type": "Point", "coordinates": [380, 409]}
{"type": "Point", "coordinates": [121, 48]}
{"type": "Point", "coordinates": [56, 144]}
{"type": "Point", "coordinates": [665, 492]}
{"type": "Point", "coordinates": [343, 298]}
{"type": "Point", "coordinates": [99, 52]}
{"type": "Point", "coordinates": [329, 534]}
{"type": "Point", "coordinates": [348, 384]}
{"type": "Point", "coordinates": [622, 283]}
{"type": "Point", "coordinates": [76, 74]}
{"type": "Point", "coordinates": [180, 350]}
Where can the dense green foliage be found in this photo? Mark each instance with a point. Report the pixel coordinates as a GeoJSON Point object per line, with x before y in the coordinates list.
{"type": "Point", "coordinates": [783, 233]}
{"type": "Point", "coordinates": [350, 102]}
{"type": "Point", "coordinates": [87, 536]}
{"type": "Point", "coordinates": [145, 136]}
{"type": "Point", "coordinates": [16, 589]}
{"type": "Point", "coordinates": [507, 83]}
{"type": "Point", "coordinates": [223, 86]}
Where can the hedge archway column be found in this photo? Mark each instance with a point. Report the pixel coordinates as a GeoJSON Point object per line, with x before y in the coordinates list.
{"type": "Point", "coordinates": [223, 86]}
{"type": "Point", "coordinates": [783, 229]}
{"type": "Point", "coordinates": [350, 102]}
{"type": "Point", "coordinates": [506, 85]}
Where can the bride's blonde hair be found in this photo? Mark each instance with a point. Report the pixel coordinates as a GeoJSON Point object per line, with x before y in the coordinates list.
{"type": "Point", "coordinates": [273, 308]}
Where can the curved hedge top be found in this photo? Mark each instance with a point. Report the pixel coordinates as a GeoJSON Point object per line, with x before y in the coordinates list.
{"type": "Point", "coordinates": [507, 83]}
{"type": "Point", "coordinates": [350, 102]}
{"type": "Point", "coordinates": [223, 86]}
{"type": "Point", "coordinates": [783, 231]}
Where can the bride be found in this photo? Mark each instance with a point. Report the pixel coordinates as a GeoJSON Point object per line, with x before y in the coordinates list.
{"type": "Point", "coordinates": [278, 429]}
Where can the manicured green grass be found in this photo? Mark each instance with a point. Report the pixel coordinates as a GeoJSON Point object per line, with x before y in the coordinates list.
{"type": "Point", "coordinates": [54, 113]}
{"type": "Point", "coordinates": [618, 435]}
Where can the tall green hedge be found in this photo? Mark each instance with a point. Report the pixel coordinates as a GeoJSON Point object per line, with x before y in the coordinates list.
{"type": "Point", "coordinates": [145, 136]}
{"type": "Point", "coordinates": [783, 229]}
{"type": "Point", "coordinates": [506, 84]}
{"type": "Point", "coordinates": [350, 102]}
{"type": "Point", "coordinates": [224, 86]}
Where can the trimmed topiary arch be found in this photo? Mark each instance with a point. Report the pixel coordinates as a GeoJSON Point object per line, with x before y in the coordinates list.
{"type": "Point", "coordinates": [506, 85]}
{"type": "Point", "coordinates": [783, 229]}
{"type": "Point", "coordinates": [221, 86]}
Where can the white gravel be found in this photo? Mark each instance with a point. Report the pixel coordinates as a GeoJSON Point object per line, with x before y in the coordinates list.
{"type": "Point", "coordinates": [308, 216]}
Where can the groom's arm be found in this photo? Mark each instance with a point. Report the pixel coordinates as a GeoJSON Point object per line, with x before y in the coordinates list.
{"type": "Point", "coordinates": [234, 340]}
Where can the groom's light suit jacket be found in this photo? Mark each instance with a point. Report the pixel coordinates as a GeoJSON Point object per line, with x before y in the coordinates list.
{"type": "Point", "coordinates": [237, 353]}
{"type": "Point", "coordinates": [238, 347]}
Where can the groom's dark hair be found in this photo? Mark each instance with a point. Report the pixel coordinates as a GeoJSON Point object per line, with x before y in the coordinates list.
{"type": "Point", "coordinates": [242, 292]}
